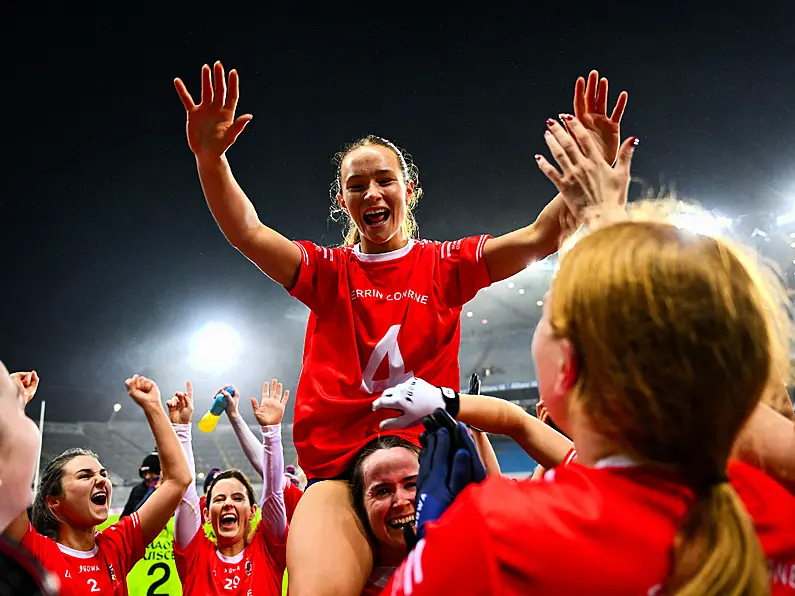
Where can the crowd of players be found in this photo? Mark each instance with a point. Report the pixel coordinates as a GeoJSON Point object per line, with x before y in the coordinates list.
{"type": "Point", "coordinates": [662, 356]}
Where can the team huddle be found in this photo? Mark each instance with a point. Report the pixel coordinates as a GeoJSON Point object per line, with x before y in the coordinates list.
{"type": "Point", "coordinates": [662, 356]}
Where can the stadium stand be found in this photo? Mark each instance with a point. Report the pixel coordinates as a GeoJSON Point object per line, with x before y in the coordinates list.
{"type": "Point", "coordinates": [122, 446]}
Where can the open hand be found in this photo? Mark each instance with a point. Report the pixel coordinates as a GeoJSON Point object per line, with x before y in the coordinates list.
{"type": "Point", "coordinates": [590, 108]}
{"type": "Point", "coordinates": [589, 185]}
{"type": "Point", "coordinates": [28, 383]}
{"type": "Point", "coordinates": [270, 410]}
{"type": "Point", "coordinates": [180, 407]}
{"type": "Point", "coordinates": [144, 391]}
{"type": "Point", "coordinates": [212, 127]}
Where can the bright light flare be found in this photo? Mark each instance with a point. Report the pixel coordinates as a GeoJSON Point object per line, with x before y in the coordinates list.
{"type": "Point", "coordinates": [216, 348]}
{"type": "Point", "coordinates": [703, 222]}
{"type": "Point", "coordinates": [116, 407]}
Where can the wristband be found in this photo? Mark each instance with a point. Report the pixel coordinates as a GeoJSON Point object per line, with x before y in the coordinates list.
{"type": "Point", "coordinates": [452, 401]}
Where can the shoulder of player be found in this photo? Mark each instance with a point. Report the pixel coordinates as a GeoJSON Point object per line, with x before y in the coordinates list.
{"type": "Point", "coordinates": [329, 254]}
{"type": "Point", "coordinates": [764, 498]}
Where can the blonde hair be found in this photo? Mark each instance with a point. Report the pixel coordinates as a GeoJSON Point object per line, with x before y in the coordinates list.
{"type": "Point", "coordinates": [678, 335]}
{"type": "Point", "coordinates": [410, 174]}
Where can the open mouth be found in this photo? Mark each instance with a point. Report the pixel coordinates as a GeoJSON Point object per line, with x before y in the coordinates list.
{"type": "Point", "coordinates": [399, 522]}
{"type": "Point", "coordinates": [100, 499]}
{"type": "Point", "coordinates": [228, 521]}
{"type": "Point", "coordinates": [375, 217]}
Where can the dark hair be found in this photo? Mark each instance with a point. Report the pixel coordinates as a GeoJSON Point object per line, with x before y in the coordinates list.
{"type": "Point", "coordinates": [357, 471]}
{"type": "Point", "coordinates": [210, 477]}
{"type": "Point", "coordinates": [43, 519]}
{"type": "Point", "coordinates": [407, 168]}
{"type": "Point", "coordinates": [237, 475]}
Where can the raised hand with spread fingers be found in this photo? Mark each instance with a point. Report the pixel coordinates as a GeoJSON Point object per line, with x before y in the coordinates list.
{"type": "Point", "coordinates": [592, 189]}
{"type": "Point", "coordinates": [212, 127]}
{"type": "Point", "coordinates": [270, 410]}
{"type": "Point", "coordinates": [590, 108]}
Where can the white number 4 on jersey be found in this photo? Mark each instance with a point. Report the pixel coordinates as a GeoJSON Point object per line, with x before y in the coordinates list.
{"type": "Point", "coordinates": [386, 347]}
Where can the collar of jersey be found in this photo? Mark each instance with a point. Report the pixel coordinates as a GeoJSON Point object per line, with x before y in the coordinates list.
{"type": "Point", "coordinates": [616, 461]}
{"type": "Point", "coordinates": [384, 256]}
{"type": "Point", "coordinates": [78, 554]}
{"type": "Point", "coordinates": [233, 559]}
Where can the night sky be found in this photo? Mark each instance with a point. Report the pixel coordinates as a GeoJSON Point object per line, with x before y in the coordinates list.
{"type": "Point", "coordinates": [112, 259]}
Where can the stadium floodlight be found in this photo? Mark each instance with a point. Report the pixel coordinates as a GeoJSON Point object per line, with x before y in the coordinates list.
{"type": "Point", "coordinates": [215, 348]}
{"type": "Point", "coordinates": [703, 222]}
{"type": "Point", "coordinates": [785, 219]}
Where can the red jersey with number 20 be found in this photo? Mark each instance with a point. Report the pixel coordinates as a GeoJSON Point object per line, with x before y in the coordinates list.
{"type": "Point", "coordinates": [605, 530]}
{"type": "Point", "coordinates": [257, 569]}
{"type": "Point", "coordinates": [376, 320]}
{"type": "Point", "coordinates": [102, 570]}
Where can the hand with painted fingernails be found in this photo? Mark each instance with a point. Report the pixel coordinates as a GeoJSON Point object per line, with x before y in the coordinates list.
{"type": "Point", "coordinates": [212, 127]}
{"type": "Point", "coordinates": [593, 190]}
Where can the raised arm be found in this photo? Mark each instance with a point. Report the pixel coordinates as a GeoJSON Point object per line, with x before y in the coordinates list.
{"type": "Point", "coordinates": [269, 413]}
{"type": "Point", "coordinates": [16, 391]}
{"type": "Point", "coordinates": [175, 475]}
{"type": "Point", "coordinates": [490, 414]}
{"type": "Point", "coordinates": [188, 516]}
{"type": "Point", "coordinates": [212, 128]}
{"type": "Point", "coordinates": [508, 254]}
{"type": "Point", "coordinates": [248, 441]}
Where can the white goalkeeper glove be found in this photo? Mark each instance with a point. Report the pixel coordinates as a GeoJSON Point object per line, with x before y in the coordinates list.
{"type": "Point", "coordinates": [416, 399]}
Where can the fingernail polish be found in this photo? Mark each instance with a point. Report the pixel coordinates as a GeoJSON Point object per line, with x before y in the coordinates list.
{"type": "Point", "coordinates": [636, 141]}
{"type": "Point", "coordinates": [567, 117]}
{"type": "Point", "coordinates": [550, 122]}
{"type": "Point", "coordinates": [547, 133]}
{"type": "Point", "coordinates": [538, 157]}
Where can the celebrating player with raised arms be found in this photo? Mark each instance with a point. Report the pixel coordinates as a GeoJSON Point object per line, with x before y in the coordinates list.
{"type": "Point", "coordinates": [384, 307]}
{"type": "Point", "coordinates": [74, 497]}
{"type": "Point", "coordinates": [237, 563]}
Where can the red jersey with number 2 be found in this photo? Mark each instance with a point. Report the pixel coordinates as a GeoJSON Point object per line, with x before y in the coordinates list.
{"type": "Point", "coordinates": [376, 320]}
{"type": "Point", "coordinates": [102, 570]}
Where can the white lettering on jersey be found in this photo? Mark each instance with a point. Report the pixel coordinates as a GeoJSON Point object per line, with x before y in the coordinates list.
{"type": "Point", "coordinates": [391, 296]}
{"type": "Point", "coordinates": [93, 583]}
{"type": "Point", "coordinates": [68, 574]}
{"type": "Point", "coordinates": [387, 346]}
{"type": "Point", "coordinates": [782, 574]}
{"type": "Point", "coordinates": [88, 568]}
{"type": "Point", "coordinates": [412, 569]}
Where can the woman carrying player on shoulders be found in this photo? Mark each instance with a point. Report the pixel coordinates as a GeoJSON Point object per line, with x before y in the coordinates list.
{"type": "Point", "coordinates": [238, 562]}
{"type": "Point", "coordinates": [368, 300]}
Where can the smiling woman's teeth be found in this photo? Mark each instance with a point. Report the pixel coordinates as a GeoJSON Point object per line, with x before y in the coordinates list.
{"type": "Point", "coordinates": [401, 521]}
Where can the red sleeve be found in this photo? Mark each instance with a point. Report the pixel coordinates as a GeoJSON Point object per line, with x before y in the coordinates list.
{"type": "Point", "coordinates": [434, 566]}
{"type": "Point", "coordinates": [292, 494]}
{"type": "Point", "coordinates": [317, 276]}
{"type": "Point", "coordinates": [463, 270]}
{"type": "Point", "coordinates": [125, 540]}
{"type": "Point", "coordinates": [189, 553]}
{"type": "Point", "coordinates": [41, 548]}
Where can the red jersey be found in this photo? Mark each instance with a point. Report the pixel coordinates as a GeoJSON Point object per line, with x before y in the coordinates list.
{"type": "Point", "coordinates": [376, 320]}
{"type": "Point", "coordinates": [607, 530]}
{"type": "Point", "coordinates": [292, 494]}
{"type": "Point", "coordinates": [102, 570]}
{"type": "Point", "coordinates": [258, 569]}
